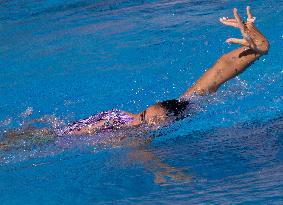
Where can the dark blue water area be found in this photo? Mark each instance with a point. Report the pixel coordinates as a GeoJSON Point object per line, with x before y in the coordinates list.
{"type": "Point", "coordinates": [71, 59]}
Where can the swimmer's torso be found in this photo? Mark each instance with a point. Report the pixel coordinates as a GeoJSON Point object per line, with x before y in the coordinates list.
{"type": "Point", "coordinates": [157, 115]}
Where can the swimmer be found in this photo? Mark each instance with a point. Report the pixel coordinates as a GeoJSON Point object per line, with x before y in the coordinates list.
{"type": "Point", "coordinates": [253, 46]}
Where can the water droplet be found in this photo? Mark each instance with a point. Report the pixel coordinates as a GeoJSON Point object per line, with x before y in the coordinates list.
{"type": "Point", "coordinates": [27, 112]}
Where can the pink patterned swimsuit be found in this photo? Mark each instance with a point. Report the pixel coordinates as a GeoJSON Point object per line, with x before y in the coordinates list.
{"type": "Point", "coordinates": [112, 119]}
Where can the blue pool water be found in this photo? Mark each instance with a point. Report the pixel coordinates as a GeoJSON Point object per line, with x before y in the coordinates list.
{"type": "Point", "coordinates": [74, 58]}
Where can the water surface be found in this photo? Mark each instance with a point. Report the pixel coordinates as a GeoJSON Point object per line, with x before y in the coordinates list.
{"type": "Point", "coordinates": [75, 58]}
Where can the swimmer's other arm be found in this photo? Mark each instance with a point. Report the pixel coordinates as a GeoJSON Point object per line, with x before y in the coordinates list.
{"type": "Point", "coordinates": [254, 45]}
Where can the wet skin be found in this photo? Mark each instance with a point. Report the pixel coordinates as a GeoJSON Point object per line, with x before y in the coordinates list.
{"type": "Point", "coordinates": [253, 46]}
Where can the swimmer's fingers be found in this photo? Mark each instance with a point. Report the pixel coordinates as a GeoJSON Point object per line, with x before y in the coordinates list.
{"type": "Point", "coordinates": [249, 14]}
{"type": "Point", "coordinates": [244, 30]}
{"type": "Point", "coordinates": [242, 42]}
{"type": "Point", "coordinates": [251, 18]}
{"type": "Point", "coordinates": [237, 21]}
{"type": "Point", "coordinates": [229, 22]}
{"type": "Point", "coordinates": [241, 25]}
{"type": "Point", "coordinates": [248, 42]}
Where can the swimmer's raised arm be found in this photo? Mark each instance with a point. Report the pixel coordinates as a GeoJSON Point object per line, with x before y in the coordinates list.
{"type": "Point", "coordinates": [254, 45]}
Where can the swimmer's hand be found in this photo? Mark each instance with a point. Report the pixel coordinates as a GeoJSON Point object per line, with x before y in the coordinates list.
{"type": "Point", "coordinates": [252, 38]}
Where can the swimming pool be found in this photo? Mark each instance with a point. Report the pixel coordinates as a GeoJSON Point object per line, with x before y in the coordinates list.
{"type": "Point", "coordinates": [76, 58]}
